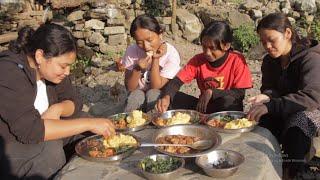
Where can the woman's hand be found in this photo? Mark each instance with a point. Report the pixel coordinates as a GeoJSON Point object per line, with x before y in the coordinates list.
{"type": "Point", "coordinates": [204, 100]}
{"type": "Point", "coordinates": [163, 104]}
{"type": "Point", "coordinates": [53, 112]}
{"type": "Point", "coordinates": [160, 51]}
{"type": "Point", "coordinates": [259, 99]}
{"type": "Point", "coordinates": [102, 126]}
{"type": "Point", "coordinates": [144, 63]}
{"type": "Point", "coordinates": [257, 111]}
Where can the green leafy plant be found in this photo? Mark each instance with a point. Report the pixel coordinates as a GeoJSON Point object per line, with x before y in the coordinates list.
{"type": "Point", "coordinates": [315, 30]}
{"type": "Point", "coordinates": [155, 7]}
{"type": "Point", "coordinates": [114, 55]}
{"type": "Point", "coordinates": [81, 63]}
{"type": "Point", "coordinates": [59, 15]}
{"type": "Point", "coordinates": [245, 37]}
{"type": "Point", "coordinates": [2, 15]}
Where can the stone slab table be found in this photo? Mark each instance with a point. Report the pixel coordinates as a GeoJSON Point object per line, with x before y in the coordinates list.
{"type": "Point", "coordinates": [259, 147]}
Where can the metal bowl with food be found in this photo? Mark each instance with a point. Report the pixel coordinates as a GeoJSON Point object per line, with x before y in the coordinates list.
{"type": "Point", "coordinates": [94, 148]}
{"type": "Point", "coordinates": [220, 163]}
{"type": "Point", "coordinates": [185, 134]}
{"type": "Point", "coordinates": [178, 116]}
{"type": "Point", "coordinates": [230, 122]}
{"type": "Point", "coordinates": [161, 167]}
{"type": "Point", "coordinates": [130, 121]}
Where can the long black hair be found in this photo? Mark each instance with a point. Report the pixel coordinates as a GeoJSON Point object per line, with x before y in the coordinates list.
{"type": "Point", "coordinates": [145, 22]}
{"type": "Point", "coordinates": [278, 22]}
{"type": "Point", "coordinates": [219, 32]}
{"type": "Point", "coordinates": [53, 39]}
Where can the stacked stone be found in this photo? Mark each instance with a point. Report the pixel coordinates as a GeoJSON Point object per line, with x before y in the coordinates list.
{"type": "Point", "coordinates": [99, 27]}
{"type": "Point", "coordinates": [31, 18]}
{"type": "Point", "coordinates": [293, 8]}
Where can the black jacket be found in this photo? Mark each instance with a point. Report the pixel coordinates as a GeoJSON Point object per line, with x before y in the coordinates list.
{"type": "Point", "coordinates": [296, 88]}
{"type": "Point", "coordinates": [19, 120]}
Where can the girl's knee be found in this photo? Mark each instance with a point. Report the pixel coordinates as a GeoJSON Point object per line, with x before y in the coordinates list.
{"type": "Point", "coordinates": [153, 95]}
{"type": "Point", "coordinates": [135, 100]}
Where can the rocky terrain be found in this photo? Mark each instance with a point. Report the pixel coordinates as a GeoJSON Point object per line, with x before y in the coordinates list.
{"type": "Point", "coordinates": [101, 28]}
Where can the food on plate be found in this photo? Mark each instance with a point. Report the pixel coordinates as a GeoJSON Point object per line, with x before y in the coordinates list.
{"type": "Point", "coordinates": [111, 146]}
{"type": "Point", "coordinates": [216, 123]}
{"type": "Point", "coordinates": [178, 118]}
{"type": "Point", "coordinates": [239, 123]}
{"type": "Point", "coordinates": [160, 165]}
{"type": "Point", "coordinates": [177, 139]}
{"type": "Point", "coordinates": [149, 53]}
{"type": "Point", "coordinates": [119, 140]}
{"type": "Point", "coordinates": [226, 122]}
{"type": "Point", "coordinates": [134, 119]}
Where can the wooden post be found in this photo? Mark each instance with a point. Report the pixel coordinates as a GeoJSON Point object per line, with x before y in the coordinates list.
{"type": "Point", "coordinates": [174, 27]}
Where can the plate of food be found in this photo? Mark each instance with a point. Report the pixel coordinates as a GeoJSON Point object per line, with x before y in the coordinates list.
{"type": "Point", "coordinates": [185, 134]}
{"type": "Point", "coordinates": [230, 122]}
{"type": "Point", "coordinates": [178, 116]}
{"type": "Point", "coordinates": [114, 148]}
{"type": "Point", "coordinates": [161, 167]}
{"type": "Point", "coordinates": [220, 163]}
{"type": "Point", "coordinates": [130, 122]}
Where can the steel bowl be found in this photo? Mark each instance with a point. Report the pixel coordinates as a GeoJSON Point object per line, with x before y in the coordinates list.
{"type": "Point", "coordinates": [207, 161]}
{"type": "Point", "coordinates": [116, 117]}
{"type": "Point", "coordinates": [82, 149]}
{"type": "Point", "coordinates": [196, 117]}
{"type": "Point", "coordinates": [232, 114]}
{"type": "Point", "coordinates": [161, 176]}
{"type": "Point", "coordinates": [201, 131]}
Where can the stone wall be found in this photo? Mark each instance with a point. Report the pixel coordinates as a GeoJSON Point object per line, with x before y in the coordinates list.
{"type": "Point", "coordinates": [88, 18]}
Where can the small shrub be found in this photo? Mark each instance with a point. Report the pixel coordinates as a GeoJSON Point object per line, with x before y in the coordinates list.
{"type": "Point", "coordinates": [315, 30]}
{"type": "Point", "coordinates": [155, 7]}
{"type": "Point", "coordinates": [59, 15]}
{"type": "Point", "coordinates": [245, 37]}
{"type": "Point", "coordinates": [81, 63]}
{"type": "Point", "coordinates": [2, 15]}
{"type": "Point", "coordinates": [111, 55]}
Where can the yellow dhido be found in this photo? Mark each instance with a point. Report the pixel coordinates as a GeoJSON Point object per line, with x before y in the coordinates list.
{"type": "Point", "coordinates": [135, 119]}
{"type": "Point", "coordinates": [119, 140]}
{"type": "Point", "coordinates": [238, 123]}
{"type": "Point", "coordinates": [179, 118]}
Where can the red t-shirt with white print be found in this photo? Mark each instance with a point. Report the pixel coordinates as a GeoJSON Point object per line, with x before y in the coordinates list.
{"type": "Point", "coordinates": [233, 73]}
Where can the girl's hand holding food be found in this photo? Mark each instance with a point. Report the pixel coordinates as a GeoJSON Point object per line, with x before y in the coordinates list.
{"type": "Point", "coordinates": [102, 126]}
{"type": "Point", "coordinates": [204, 100]}
{"type": "Point", "coordinates": [163, 104]}
{"type": "Point", "coordinates": [161, 51]}
{"type": "Point", "coordinates": [257, 111]}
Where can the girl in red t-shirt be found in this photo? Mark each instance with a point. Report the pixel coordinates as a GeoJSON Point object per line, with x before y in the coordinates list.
{"type": "Point", "coordinates": [222, 75]}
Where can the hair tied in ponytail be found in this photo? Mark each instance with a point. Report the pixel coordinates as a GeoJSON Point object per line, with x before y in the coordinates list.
{"type": "Point", "coordinates": [20, 43]}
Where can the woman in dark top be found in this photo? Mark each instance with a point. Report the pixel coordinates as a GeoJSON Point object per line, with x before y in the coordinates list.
{"type": "Point", "coordinates": [35, 94]}
{"type": "Point", "coordinates": [290, 99]}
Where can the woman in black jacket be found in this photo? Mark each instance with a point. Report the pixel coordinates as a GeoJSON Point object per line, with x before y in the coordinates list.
{"type": "Point", "coordinates": [290, 99]}
{"type": "Point", "coordinates": [35, 95]}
